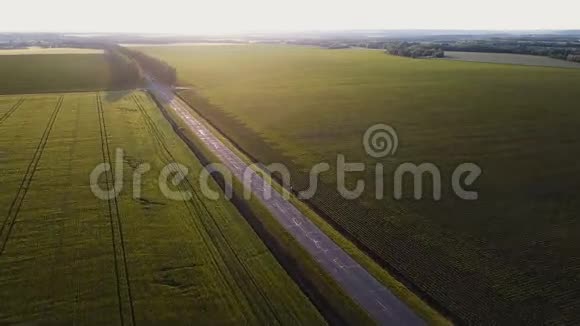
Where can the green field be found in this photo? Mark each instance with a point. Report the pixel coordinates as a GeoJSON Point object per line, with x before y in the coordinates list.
{"type": "Point", "coordinates": [512, 255]}
{"type": "Point", "coordinates": [42, 73]}
{"type": "Point", "coordinates": [67, 257]}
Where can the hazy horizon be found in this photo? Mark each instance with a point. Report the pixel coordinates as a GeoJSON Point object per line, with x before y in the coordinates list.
{"type": "Point", "coordinates": [228, 17]}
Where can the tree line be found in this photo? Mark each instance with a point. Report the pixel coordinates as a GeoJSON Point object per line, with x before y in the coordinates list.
{"type": "Point", "coordinates": [573, 57]}
{"type": "Point", "coordinates": [125, 72]}
{"type": "Point", "coordinates": [549, 46]}
{"type": "Point", "coordinates": [415, 50]}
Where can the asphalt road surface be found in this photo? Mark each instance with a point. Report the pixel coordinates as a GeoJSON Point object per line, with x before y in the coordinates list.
{"type": "Point", "coordinates": [382, 305]}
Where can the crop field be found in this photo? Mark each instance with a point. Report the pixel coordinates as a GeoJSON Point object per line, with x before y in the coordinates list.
{"type": "Point", "coordinates": [41, 73]}
{"type": "Point", "coordinates": [39, 50]}
{"type": "Point", "coordinates": [68, 257]}
{"type": "Point", "coordinates": [510, 58]}
{"type": "Point", "coordinates": [485, 260]}
{"type": "Point", "coordinates": [138, 45]}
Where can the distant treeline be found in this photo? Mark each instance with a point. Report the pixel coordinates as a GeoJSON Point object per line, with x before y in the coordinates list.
{"type": "Point", "coordinates": [573, 57]}
{"type": "Point", "coordinates": [554, 47]}
{"type": "Point", "coordinates": [127, 67]}
{"type": "Point", "coordinates": [415, 50]}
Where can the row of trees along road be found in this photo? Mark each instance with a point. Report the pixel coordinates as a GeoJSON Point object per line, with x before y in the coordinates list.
{"type": "Point", "coordinates": [157, 68]}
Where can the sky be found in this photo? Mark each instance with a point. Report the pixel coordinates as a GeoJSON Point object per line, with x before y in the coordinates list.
{"type": "Point", "coordinates": [229, 16]}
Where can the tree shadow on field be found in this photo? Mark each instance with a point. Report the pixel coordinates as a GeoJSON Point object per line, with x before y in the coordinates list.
{"type": "Point", "coordinates": [124, 76]}
{"type": "Point", "coordinates": [114, 96]}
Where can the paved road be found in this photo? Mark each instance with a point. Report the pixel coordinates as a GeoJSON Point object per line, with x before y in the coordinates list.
{"type": "Point", "coordinates": [377, 300]}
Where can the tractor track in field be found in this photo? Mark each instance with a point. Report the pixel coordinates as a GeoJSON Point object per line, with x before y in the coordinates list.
{"type": "Point", "coordinates": [121, 270]}
{"type": "Point", "coordinates": [16, 204]}
{"type": "Point", "coordinates": [15, 107]}
{"type": "Point", "coordinates": [200, 208]}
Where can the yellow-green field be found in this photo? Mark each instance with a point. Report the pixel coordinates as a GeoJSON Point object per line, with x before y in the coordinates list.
{"type": "Point", "coordinates": [67, 257]}
{"type": "Point", "coordinates": [512, 255]}
{"type": "Point", "coordinates": [43, 73]}
{"type": "Point", "coordinates": [39, 50]}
